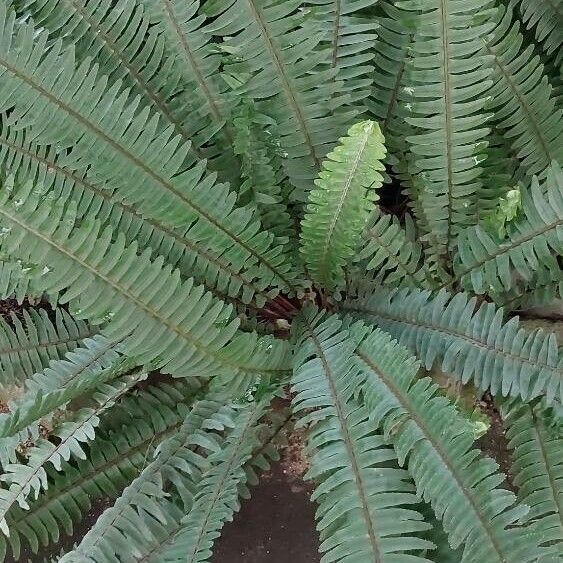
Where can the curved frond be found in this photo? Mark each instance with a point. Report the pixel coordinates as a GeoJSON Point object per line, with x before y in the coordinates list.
{"type": "Point", "coordinates": [180, 461]}
{"type": "Point", "coordinates": [486, 263]}
{"type": "Point", "coordinates": [521, 99]}
{"type": "Point", "coordinates": [280, 62]}
{"type": "Point", "coordinates": [364, 501]}
{"type": "Point", "coordinates": [177, 325]}
{"type": "Point", "coordinates": [445, 90]}
{"type": "Point", "coordinates": [469, 341]}
{"type": "Point", "coordinates": [123, 147]}
{"type": "Point", "coordinates": [435, 443]}
{"type": "Point", "coordinates": [341, 203]}
{"type": "Point", "coordinates": [537, 468]}
{"type": "Point", "coordinates": [28, 345]}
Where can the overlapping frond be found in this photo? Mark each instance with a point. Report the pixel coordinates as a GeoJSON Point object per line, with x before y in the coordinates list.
{"type": "Point", "coordinates": [28, 345]}
{"type": "Point", "coordinates": [279, 61]}
{"type": "Point", "coordinates": [350, 36]}
{"type": "Point", "coordinates": [545, 17]}
{"type": "Point", "coordinates": [341, 203]}
{"type": "Point", "coordinates": [445, 89]}
{"type": "Point", "coordinates": [521, 98]}
{"type": "Point", "coordinates": [176, 325]}
{"type": "Point", "coordinates": [469, 341]}
{"type": "Point", "coordinates": [487, 263]}
{"type": "Point", "coordinates": [123, 445]}
{"type": "Point", "coordinates": [435, 443]}
{"type": "Point", "coordinates": [364, 500]}
{"type": "Point", "coordinates": [388, 248]}
{"type": "Point", "coordinates": [67, 439]}
{"type": "Point", "coordinates": [139, 518]}
{"type": "Point", "coordinates": [537, 468]}
{"type": "Point", "coordinates": [122, 146]}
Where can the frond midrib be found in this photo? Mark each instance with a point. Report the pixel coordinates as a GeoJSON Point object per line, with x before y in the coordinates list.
{"type": "Point", "coordinates": [135, 160]}
{"type": "Point", "coordinates": [449, 331]}
{"type": "Point", "coordinates": [284, 80]}
{"type": "Point", "coordinates": [437, 447]}
{"type": "Point", "coordinates": [335, 32]}
{"type": "Point", "coordinates": [107, 196]}
{"type": "Point", "coordinates": [358, 481]}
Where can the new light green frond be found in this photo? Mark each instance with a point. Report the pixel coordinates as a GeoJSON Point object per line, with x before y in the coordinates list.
{"type": "Point", "coordinates": [537, 454]}
{"type": "Point", "coordinates": [468, 341]}
{"type": "Point", "coordinates": [281, 64]}
{"type": "Point", "coordinates": [445, 89]}
{"type": "Point", "coordinates": [180, 460]}
{"type": "Point", "coordinates": [435, 444]}
{"type": "Point", "coordinates": [177, 325]}
{"type": "Point", "coordinates": [121, 449]}
{"type": "Point", "coordinates": [350, 36]}
{"type": "Point", "coordinates": [97, 360]}
{"type": "Point", "coordinates": [534, 239]}
{"type": "Point", "coordinates": [216, 499]}
{"type": "Point", "coordinates": [341, 203]}
{"type": "Point", "coordinates": [123, 147]}
{"type": "Point", "coordinates": [521, 98]}
{"type": "Point", "coordinates": [363, 498]}
{"type": "Point", "coordinates": [545, 17]}
{"type": "Point", "coordinates": [28, 345]}
{"type": "Point", "coordinates": [181, 248]}
{"type": "Point", "coordinates": [387, 248]}
{"type": "Point", "coordinates": [24, 479]}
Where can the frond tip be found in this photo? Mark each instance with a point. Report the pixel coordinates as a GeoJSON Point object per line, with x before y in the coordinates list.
{"type": "Point", "coordinates": [340, 204]}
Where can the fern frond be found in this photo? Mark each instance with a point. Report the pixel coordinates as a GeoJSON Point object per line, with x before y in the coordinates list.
{"type": "Point", "coordinates": [341, 203]}
{"type": "Point", "coordinates": [468, 341]}
{"type": "Point", "coordinates": [435, 443]}
{"type": "Point", "coordinates": [125, 149]}
{"type": "Point", "coordinates": [25, 479]}
{"type": "Point", "coordinates": [83, 369]}
{"type": "Point", "coordinates": [28, 345]}
{"type": "Point", "coordinates": [546, 18]}
{"type": "Point", "coordinates": [362, 497]}
{"type": "Point", "coordinates": [387, 248]}
{"type": "Point", "coordinates": [537, 468]}
{"type": "Point", "coordinates": [350, 36]}
{"type": "Point", "coordinates": [487, 263]}
{"type": "Point", "coordinates": [279, 61]}
{"type": "Point", "coordinates": [178, 325]}
{"type": "Point", "coordinates": [216, 499]}
{"type": "Point", "coordinates": [122, 528]}
{"type": "Point", "coordinates": [521, 98]}
{"type": "Point", "coordinates": [445, 92]}
{"type": "Point", "coordinates": [123, 446]}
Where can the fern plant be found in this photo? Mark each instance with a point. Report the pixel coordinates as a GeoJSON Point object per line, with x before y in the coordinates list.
{"type": "Point", "coordinates": [205, 206]}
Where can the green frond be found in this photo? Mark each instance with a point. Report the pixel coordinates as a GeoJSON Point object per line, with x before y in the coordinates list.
{"type": "Point", "coordinates": [388, 248]}
{"type": "Point", "coordinates": [468, 341]}
{"type": "Point", "coordinates": [24, 479]}
{"type": "Point", "coordinates": [445, 90]}
{"type": "Point", "coordinates": [537, 467]}
{"type": "Point", "coordinates": [521, 99]}
{"type": "Point", "coordinates": [132, 523]}
{"type": "Point", "coordinates": [280, 64]}
{"type": "Point", "coordinates": [18, 280]}
{"type": "Point", "coordinates": [216, 499]}
{"type": "Point", "coordinates": [350, 36]}
{"type": "Point", "coordinates": [487, 263]}
{"type": "Point", "coordinates": [28, 345]}
{"type": "Point", "coordinates": [364, 500]}
{"type": "Point", "coordinates": [341, 203]}
{"type": "Point", "coordinates": [435, 443]}
{"type": "Point", "coordinates": [97, 360]}
{"type": "Point", "coordinates": [125, 148]}
{"type": "Point", "coordinates": [122, 447]}
{"type": "Point", "coordinates": [545, 17]}
{"type": "Point", "coordinates": [176, 325]}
